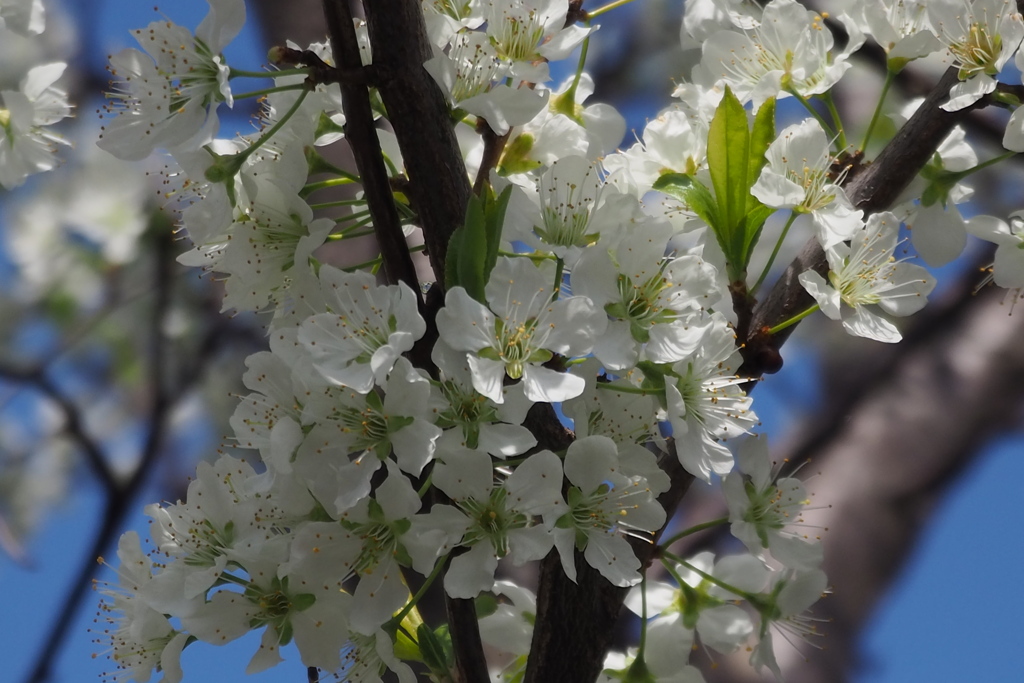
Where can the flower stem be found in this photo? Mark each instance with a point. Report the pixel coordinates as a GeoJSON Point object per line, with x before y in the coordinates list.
{"type": "Point", "coordinates": [643, 615]}
{"type": "Point", "coordinates": [775, 252]}
{"type": "Point", "coordinates": [608, 8]}
{"type": "Point", "coordinates": [960, 175]}
{"type": "Point", "coordinates": [708, 577]}
{"type": "Point", "coordinates": [310, 188]}
{"type": "Point", "coordinates": [409, 606]}
{"type": "Point", "coordinates": [377, 261]}
{"type": "Point", "coordinates": [235, 73]}
{"type": "Point", "coordinates": [242, 156]}
{"type": "Point", "coordinates": [692, 530]}
{"type": "Point", "coordinates": [813, 112]}
{"type": "Point", "coordinates": [890, 76]}
{"type": "Point", "coordinates": [794, 320]}
{"type": "Point", "coordinates": [342, 202]}
{"type": "Point", "coordinates": [559, 274]}
{"type": "Point", "coordinates": [267, 91]}
{"type": "Point", "coordinates": [836, 119]}
{"type": "Point", "coordinates": [570, 94]}
{"type": "Point", "coordinates": [624, 389]}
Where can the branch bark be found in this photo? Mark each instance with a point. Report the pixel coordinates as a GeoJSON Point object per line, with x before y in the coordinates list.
{"type": "Point", "coordinates": [419, 114]}
{"type": "Point", "coordinates": [362, 138]}
{"type": "Point", "coordinates": [874, 189]}
{"type": "Point", "coordinates": [887, 460]}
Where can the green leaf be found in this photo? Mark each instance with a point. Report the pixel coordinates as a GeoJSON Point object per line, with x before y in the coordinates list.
{"type": "Point", "coordinates": [752, 224]}
{"type": "Point", "coordinates": [473, 252]}
{"type": "Point", "coordinates": [693, 193]}
{"type": "Point", "coordinates": [728, 159]}
{"type": "Point", "coordinates": [436, 647]}
{"type": "Point", "coordinates": [473, 247]}
{"type": "Point", "coordinates": [494, 222]}
{"type": "Point", "coordinates": [761, 138]}
{"type": "Point", "coordinates": [452, 255]}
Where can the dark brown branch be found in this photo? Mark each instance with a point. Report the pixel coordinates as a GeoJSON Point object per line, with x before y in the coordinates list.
{"type": "Point", "coordinates": [574, 623]}
{"type": "Point", "coordinates": [469, 649]}
{"type": "Point", "coordinates": [594, 613]}
{"type": "Point", "coordinates": [420, 116]}
{"type": "Point", "coordinates": [362, 137]}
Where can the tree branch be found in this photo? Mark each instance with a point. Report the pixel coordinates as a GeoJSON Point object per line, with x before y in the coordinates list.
{"type": "Point", "coordinates": [119, 499]}
{"type": "Point", "coordinates": [362, 138]}
{"type": "Point", "coordinates": [419, 114]}
{"type": "Point", "coordinates": [575, 620]}
{"type": "Point", "coordinates": [595, 613]}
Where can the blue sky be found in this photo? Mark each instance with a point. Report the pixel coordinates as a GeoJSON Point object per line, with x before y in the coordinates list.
{"type": "Point", "coordinates": [953, 616]}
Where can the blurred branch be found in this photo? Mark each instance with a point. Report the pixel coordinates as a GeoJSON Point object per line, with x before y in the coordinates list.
{"type": "Point", "coordinates": [73, 427]}
{"type": "Point", "coordinates": [887, 456]}
{"type": "Point", "coordinates": [119, 495]}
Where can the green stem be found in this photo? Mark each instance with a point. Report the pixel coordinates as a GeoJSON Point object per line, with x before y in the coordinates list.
{"type": "Point", "coordinates": [377, 261]}
{"type": "Point", "coordinates": [836, 119]}
{"type": "Point", "coordinates": [231, 578]}
{"type": "Point", "coordinates": [362, 222]}
{"type": "Point", "coordinates": [739, 592]}
{"type": "Point", "coordinates": [608, 8]}
{"type": "Point", "coordinates": [276, 127]}
{"type": "Point", "coordinates": [345, 235]}
{"type": "Point", "coordinates": [435, 572]}
{"type": "Point", "coordinates": [570, 94]}
{"type": "Point", "coordinates": [426, 485]}
{"type": "Point", "coordinates": [775, 252]}
{"type": "Point", "coordinates": [235, 73]}
{"type": "Point", "coordinates": [559, 274]}
{"type": "Point", "coordinates": [890, 77]}
{"type": "Point", "coordinates": [267, 91]}
{"type": "Point", "coordinates": [960, 175]}
{"type": "Point", "coordinates": [692, 530]}
{"type": "Point", "coordinates": [643, 616]}
{"type": "Point", "coordinates": [533, 256]}
{"type": "Point", "coordinates": [826, 126]}
{"type": "Point", "coordinates": [342, 202]}
{"type": "Point", "coordinates": [794, 320]}
{"type": "Point", "coordinates": [310, 188]}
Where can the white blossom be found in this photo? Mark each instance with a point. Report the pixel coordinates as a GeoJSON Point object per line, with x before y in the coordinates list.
{"type": "Point", "coordinates": [864, 273]}
{"type": "Point", "coordinates": [763, 508]}
{"type": "Point", "coordinates": [27, 146]}
{"type": "Point", "coordinates": [980, 36]}
{"type": "Point", "coordinates": [604, 507]}
{"type": "Point", "coordinates": [168, 96]}
{"type": "Point", "coordinates": [522, 330]}
{"type": "Point", "coordinates": [797, 177]}
{"type": "Point", "coordinates": [366, 329]}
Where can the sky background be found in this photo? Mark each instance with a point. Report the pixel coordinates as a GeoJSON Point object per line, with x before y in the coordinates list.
{"type": "Point", "coordinates": [954, 614]}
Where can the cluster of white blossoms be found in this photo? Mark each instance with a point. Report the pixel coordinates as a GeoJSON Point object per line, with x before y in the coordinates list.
{"type": "Point", "coordinates": [376, 470]}
{"type": "Point", "coordinates": [28, 143]}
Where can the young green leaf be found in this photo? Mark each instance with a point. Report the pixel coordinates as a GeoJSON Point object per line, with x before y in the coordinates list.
{"type": "Point", "coordinates": [728, 161]}
{"type": "Point", "coordinates": [495, 221]}
{"type": "Point", "coordinates": [762, 136]}
{"type": "Point", "coordinates": [691, 192]}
